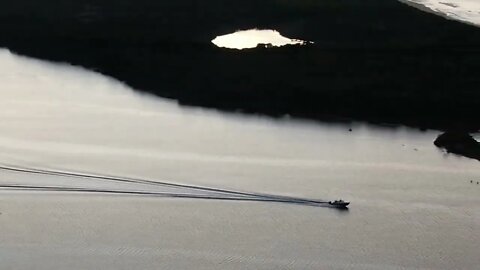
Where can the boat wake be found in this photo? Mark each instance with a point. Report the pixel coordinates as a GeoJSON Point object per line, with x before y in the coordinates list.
{"type": "Point", "coordinates": [144, 187]}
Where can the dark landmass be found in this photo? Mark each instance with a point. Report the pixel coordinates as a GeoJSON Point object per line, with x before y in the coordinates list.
{"type": "Point", "coordinates": [373, 60]}
{"type": "Point", "coordinates": [459, 143]}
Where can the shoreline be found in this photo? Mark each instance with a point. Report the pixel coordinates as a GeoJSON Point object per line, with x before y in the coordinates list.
{"type": "Point", "coordinates": [398, 65]}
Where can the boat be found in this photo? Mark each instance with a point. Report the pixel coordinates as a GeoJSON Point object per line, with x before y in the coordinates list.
{"type": "Point", "coordinates": [339, 203]}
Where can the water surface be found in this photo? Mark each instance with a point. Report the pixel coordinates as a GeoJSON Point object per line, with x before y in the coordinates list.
{"type": "Point", "coordinates": [413, 207]}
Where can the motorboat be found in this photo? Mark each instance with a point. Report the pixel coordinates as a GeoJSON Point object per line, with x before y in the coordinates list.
{"type": "Point", "coordinates": [339, 203]}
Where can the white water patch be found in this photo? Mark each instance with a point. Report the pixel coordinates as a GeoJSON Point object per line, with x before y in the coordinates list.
{"type": "Point", "coordinates": [248, 39]}
{"type": "Point", "coordinates": [463, 10]}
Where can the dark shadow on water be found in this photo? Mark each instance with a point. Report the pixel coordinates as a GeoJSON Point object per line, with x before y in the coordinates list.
{"type": "Point", "coordinates": [399, 65]}
{"type": "Point", "coordinates": [341, 211]}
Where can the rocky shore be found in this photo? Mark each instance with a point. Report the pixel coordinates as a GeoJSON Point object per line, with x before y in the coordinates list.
{"type": "Point", "coordinates": [459, 143]}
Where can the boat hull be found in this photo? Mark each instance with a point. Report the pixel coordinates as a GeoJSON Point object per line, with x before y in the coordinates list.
{"type": "Point", "coordinates": [339, 205]}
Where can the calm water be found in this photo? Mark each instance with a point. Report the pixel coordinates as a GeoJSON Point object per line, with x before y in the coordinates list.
{"type": "Point", "coordinates": [412, 206]}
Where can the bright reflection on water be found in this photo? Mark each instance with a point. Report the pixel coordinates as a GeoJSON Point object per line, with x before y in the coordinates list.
{"type": "Point", "coordinates": [462, 10]}
{"type": "Point", "coordinates": [412, 207]}
{"type": "Point", "coordinates": [252, 38]}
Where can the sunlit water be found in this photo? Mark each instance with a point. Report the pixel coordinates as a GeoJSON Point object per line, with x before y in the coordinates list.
{"type": "Point", "coordinates": [412, 206]}
{"type": "Point", "coordinates": [252, 38]}
{"type": "Point", "coordinates": [462, 10]}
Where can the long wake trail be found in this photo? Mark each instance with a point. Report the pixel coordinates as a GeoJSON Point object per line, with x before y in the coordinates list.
{"type": "Point", "coordinates": [187, 191]}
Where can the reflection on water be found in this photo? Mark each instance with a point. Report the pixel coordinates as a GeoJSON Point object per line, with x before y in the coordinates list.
{"type": "Point", "coordinates": [252, 38]}
{"type": "Point", "coordinates": [462, 10]}
{"type": "Point", "coordinates": [412, 206]}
